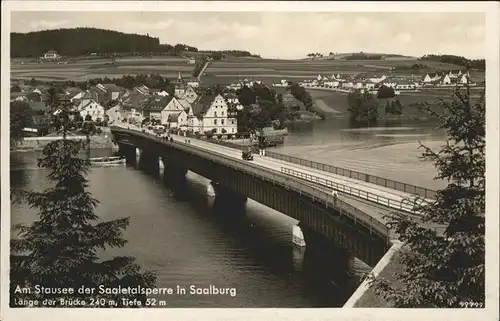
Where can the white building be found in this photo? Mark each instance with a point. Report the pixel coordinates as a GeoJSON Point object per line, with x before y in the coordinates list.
{"type": "Point", "coordinates": [389, 82]}
{"type": "Point", "coordinates": [429, 78]}
{"type": "Point", "coordinates": [209, 113]}
{"type": "Point", "coordinates": [178, 120]}
{"type": "Point", "coordinates": [91, 107]}
{"type": "Point", "coordinates": [377, 79]}
{"type": "Point", "coordinates": [446, 80]}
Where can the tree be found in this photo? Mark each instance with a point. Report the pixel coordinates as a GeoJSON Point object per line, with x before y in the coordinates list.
{"type": "Point", "coordinates": [21, 116]}
{"type": "Point", "coordinates": [88, 117]}
{"type": "Point", "coordinates": [385, 92]}
{"type": "Point", "coordinates": [209, 134]}
{"type": "Point", "coordinates": [15, 89]}
{"type": "Point", "coordinates": [59, 250]}
{"type": "Point", "coordinates": [444, 270]}
{"type": "Point", "coordinates": [362, 106]}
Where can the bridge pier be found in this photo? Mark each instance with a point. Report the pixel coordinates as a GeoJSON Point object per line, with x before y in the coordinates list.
{"type": "Point", "coordinates": [228, 200]}
{"type": "Point", "coordinates": [129, 152]}
{"type": "Point", "coordinates": [173, 173]}
{"type": "Point", "coordinates": [149, 163]}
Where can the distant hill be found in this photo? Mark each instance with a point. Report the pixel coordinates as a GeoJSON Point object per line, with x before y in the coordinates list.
{"type": "Point", "coordinates": [360, 56]}
{"type": "Point", "coordinates": [478, 64]}
{"type": "Point", "coordinates": [83, 41]}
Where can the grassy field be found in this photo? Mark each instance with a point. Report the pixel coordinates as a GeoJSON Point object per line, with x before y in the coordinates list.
{"type": "Point", "coordinates": [273, 70]}
{"type": "Point", "coordinates": [338, 100]}
{"type": "Point", "coordinates": [88, 68]}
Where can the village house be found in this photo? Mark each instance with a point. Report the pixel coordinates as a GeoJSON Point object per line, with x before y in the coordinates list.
{"type": "Point", "coordinates": [51, 55]}
{"type": "Point", "coordinates": [463, 79]}
{"type": "Point", "coordinates": [193, 83]}
{"type": "Point", "coordinates": [18, 96]}
{"type": "Point", "coordinates": [331, 83]}
{"type": "Point", "coordinates": [172, 106]}
{"type": "Point", "coordinates": [455, 74]}
{"type": "Point", "coordinates": [131, 105]}
{"type": "Point", "coordinates": [445, 80]}
{"type": "Point", "coordinates": [347, 84]}
{"type": "Point", "coordinates": [431, 78]}
{"type": "Point", "coordinates": [143, 90]}
{"type": "Point", "coordinates": [369, 84]}
{"type": "Point", "coordinates": [377, 78]}
{"type": "Point", "coordinates": [390, 82]}
{"type": "Point", "coordinates": [184, 90]}
{"type": "Point", "coordinates": [89, 106]}
{"type": "Point", "coordinates": [209, 113]}
{"type": "Point", "coordinates": [405, 85]}
{"type": "Point", "coordinates": [178, 120]}
{"type": "Point", "coordinates": [36, 102]}
{"type": "Point", "coordinates": [113, 91]}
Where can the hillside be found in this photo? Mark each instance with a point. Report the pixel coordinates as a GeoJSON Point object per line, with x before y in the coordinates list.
{"type": "Point", "coordinates": [83, 41]}
{"type": "Point", "coordinates": [273, 70]}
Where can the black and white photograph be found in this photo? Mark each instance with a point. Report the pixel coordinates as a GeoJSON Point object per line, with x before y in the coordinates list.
{"type": "Point", "coordinates": [204, 155]}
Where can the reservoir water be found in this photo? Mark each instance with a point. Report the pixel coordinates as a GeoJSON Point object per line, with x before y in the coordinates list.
{"type": "Point", "coordinates": [182, 236]}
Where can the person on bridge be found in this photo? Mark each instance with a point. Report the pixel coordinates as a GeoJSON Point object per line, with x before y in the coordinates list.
{"type": "Point", "coordinates": [335, 196]}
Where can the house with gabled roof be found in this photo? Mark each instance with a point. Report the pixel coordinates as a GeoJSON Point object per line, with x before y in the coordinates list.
{"type": "Point", "coordinates": [464, 79]}
{"type": "Point", "coordinates": [184, 90]}
{"type": "Point", "coordinates": [377, 78]}
{"type": "Point", "coordinates": [405, 85]}
{"type": "Point", "coordinates": [89, 106]}
{"type": "Point", "coordinates": [211, 113]}
{"type": "Point", "coordinates": [143, 90]}
{"type": "Point", "coordinates": [178, 120]}
{"type": "Point", "coordinates": [389, 82]}
{"type": "Point", "coordinates": [132, 104]}
{"type": "Point", "coordinates": [431, 78]}
{"type": "Point", "coordinates": [445, 80]}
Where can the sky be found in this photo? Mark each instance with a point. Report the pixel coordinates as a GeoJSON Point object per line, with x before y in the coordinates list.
{"type": "Point", "coordinates": [285, 35]}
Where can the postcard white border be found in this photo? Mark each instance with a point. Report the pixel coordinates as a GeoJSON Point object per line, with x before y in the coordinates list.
{"type": "Point", "coordinates": [491, 10]}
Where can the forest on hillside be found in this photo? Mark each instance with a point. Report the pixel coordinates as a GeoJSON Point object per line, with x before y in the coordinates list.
{"type": "Point", "coordinates": [83, 41]}
{"type": "Point", "coordinates": [478, 64]}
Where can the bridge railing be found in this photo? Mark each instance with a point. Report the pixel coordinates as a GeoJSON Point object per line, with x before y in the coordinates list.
{"type": "Point", "coordinates": [403, 205]}
{"type": "Point", "coordinates": [380, 181]}
{"type": "Point", "coordinates": [354, 214]}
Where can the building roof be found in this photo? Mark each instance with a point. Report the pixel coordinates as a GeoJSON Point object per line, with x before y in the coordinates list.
{"type": "Point", "coordinates": [99, 89]}
{"type": "Point", "coordinates": [404, 82]}
{"type": "Point", "coordinates": [34, 97]}
{"type": "Point", "coordinates": [134, 100]}
{"type": "Point", "coordinates": [73, 91]}
{"type": "Point", "coordinates": [143, 90]}
{"type": "Point", "coordinates": [88, 102]}
{"type": "Point", "coordinates": [17, 94]}
{"type": "Point", "coordinates": [201, 104]}
{"type": "Point", "coordinates": [157, 103]}
{"type": "Point", "coordinates": [184, 103]}
{"type": "Point", "coordinates": [112, 87]}
{"type": "Point", "coordinates": [174, 117]}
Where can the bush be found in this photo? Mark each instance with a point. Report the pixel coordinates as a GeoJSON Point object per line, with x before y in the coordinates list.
{"type": "Point", "coordinates": [385, 92]}
{"type": "Point", "coordinates": [209, 134]}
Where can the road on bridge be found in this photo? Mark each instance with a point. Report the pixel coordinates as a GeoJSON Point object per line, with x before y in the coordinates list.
{"type": "Point", "coordinates": [377, 211]}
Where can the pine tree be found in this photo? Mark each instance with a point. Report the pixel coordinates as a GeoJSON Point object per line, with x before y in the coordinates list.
{"type": "Point", "coordinates": [60, 249]}
{"type": "Point", "coordinates": [446, 270]}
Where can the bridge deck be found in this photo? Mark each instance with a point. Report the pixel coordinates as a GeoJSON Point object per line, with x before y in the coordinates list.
{"type": "Point", "coordinates": [394, 196]}
{"type": "Point", "coordinates": [377, 211]}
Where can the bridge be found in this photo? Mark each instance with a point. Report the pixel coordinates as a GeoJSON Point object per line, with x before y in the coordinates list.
{"type": "Point", "coordinates": [353, 219]}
